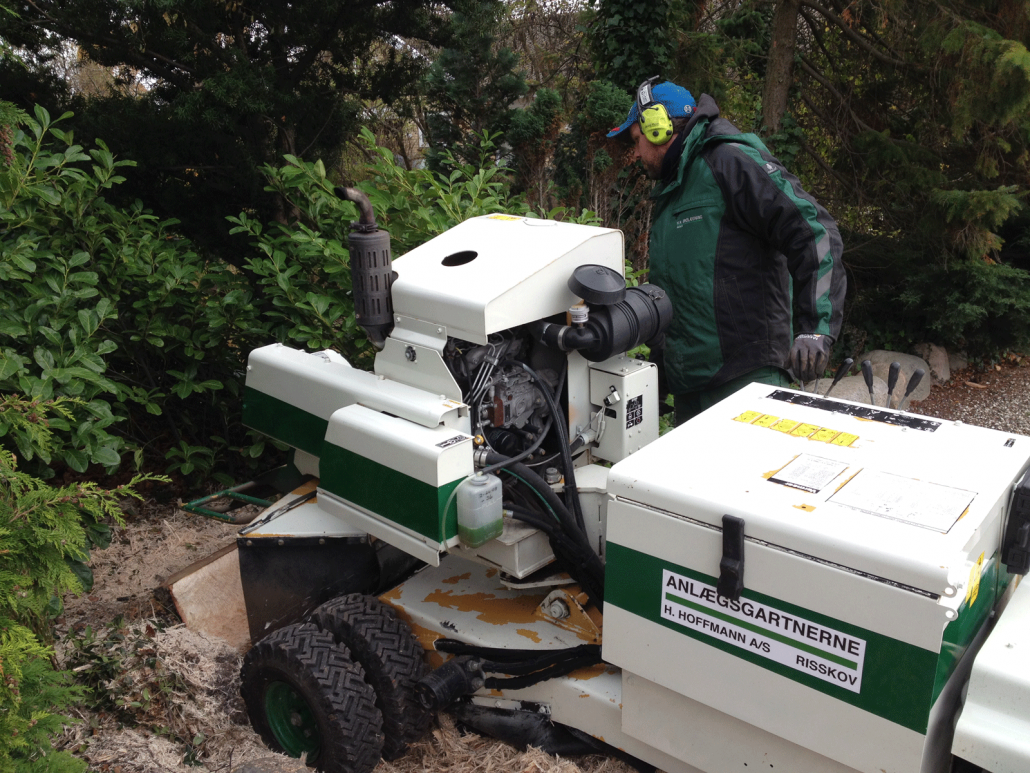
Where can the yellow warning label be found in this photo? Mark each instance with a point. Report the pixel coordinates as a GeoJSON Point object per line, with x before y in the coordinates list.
{"type": "Point", "coordinates": [825, 435]}
{"type": "Point", "coordinates": [748, 416]}
{"type": "Point", "coordinates": [796, 428]}
{"type": "Point", "coordinates": [974, 580]}
{"type": "Point", "coordinates": [503, 217]}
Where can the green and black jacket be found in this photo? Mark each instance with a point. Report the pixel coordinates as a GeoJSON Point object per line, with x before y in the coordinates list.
{"type": "Point", "coordinates": [731, 227]}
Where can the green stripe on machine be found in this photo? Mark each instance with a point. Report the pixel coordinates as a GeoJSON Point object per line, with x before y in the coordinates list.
{"type": "Point", "coordinates": [972, 615]}
{"type": "Point", "coordinates": [282, 421]}
{"type": "Point", "coordinates": [897, 680]}
{"type": "Point", "coordinates": [388, 493]}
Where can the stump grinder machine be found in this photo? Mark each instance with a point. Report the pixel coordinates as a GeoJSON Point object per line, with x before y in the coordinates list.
{"type": "Point", "coordinates": [489, 523]}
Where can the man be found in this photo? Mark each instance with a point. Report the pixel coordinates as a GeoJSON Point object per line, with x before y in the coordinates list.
{"type": "Point", "coordinates": [731, 228]}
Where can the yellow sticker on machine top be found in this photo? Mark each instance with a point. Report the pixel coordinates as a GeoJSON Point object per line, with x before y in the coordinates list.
{"type": "Point", "coordinates": [503, 217]}
{"type": "Point", "coordinates": [825, 435]}
{"type": "Point", "coordinates": [804, 430]}
{"type": "Point", "coordinates": [748, 416]}
{"type": "Point", "coordinates": [797, 428]}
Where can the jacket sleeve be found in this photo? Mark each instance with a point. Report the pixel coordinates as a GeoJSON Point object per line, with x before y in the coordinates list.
{"type": "Point", "coordinates": [766, 200]}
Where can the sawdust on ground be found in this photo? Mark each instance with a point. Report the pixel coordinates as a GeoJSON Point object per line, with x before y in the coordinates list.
{"type": "Point", "coordinates": [174, 694]}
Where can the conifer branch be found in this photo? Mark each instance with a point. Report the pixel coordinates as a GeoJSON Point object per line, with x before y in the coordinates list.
{"type": "Point", "coordinates": [857, 39]}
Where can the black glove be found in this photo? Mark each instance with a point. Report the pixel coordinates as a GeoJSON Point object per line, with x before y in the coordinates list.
{"type": "Point", "coordinates": [809, 356]}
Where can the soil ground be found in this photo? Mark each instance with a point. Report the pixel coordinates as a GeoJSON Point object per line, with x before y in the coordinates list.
{"type": "Point", "coordinates": [169, 697]}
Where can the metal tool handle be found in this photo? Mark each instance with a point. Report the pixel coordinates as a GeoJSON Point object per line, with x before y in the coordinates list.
{"type": "Point", "coordinates": [892, 381]}
{"type": "Point", "coordinates": [842, 371]}
{"type": "Point", "coordinates": [913, 382]}
{"type": "Point", "coordinates": [867, 374]}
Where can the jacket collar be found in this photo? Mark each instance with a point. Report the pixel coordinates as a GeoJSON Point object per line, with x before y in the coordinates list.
{"type": "Point", "coordinates": [686, 145]}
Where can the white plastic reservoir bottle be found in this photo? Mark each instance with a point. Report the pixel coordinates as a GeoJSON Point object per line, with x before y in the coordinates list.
{"type": "Point", "coordinates": [480, 510]}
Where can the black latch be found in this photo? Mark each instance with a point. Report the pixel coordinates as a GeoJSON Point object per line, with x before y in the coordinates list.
{"type": "Point", "coordinates": [1015, 550]}
{"type": "Point", "coordinates": [731, 567]}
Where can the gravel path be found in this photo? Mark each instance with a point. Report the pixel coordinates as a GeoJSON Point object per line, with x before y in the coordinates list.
{"type": "Point", "coordinates": [998, 398]}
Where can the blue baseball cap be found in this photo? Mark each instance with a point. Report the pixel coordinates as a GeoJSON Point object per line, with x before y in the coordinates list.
{"type": "Point", "coordinates": [677, 100]}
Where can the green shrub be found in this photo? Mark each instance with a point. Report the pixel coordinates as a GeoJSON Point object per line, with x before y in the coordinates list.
{"type": "Point", "coordinates": [303, 268]}
{"type": "Point", "coordinates": [110, 306]}
{"type": "Point", "coordinates": [45, 537]}
{"type": "Point", "coordinates": [981, 307]}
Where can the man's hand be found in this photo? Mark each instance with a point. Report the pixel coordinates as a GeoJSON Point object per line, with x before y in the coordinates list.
{"type": "Point", "coordinates": [809, 356]}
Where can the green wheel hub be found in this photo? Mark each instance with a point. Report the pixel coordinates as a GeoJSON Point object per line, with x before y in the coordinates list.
{"type": "Point", "coordinates": [292, 722]}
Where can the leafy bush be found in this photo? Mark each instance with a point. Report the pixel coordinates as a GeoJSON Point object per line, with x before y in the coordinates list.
{"type": "Point", "coordinates": [109, 306]}
{"type": "Point", "coordinates": [112, 307]}
{"type": "Point", "coordinates": [303, 268]}
{"type": "Point", "coordinates": [982, 307]}
{"type": "Point", "coordinates": [45, 540]}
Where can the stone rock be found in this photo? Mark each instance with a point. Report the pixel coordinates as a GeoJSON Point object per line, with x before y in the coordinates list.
{"type": "Point", "coordinates": [853, 388]}
{"type": "Point", "coordinates": [938, 360]}
{"type": "Point", "coordinates": [882, 359]}
{"type": "Point", "coordinates": [273, 764]}
{"type": "Point", "coordinates": [958, 361]}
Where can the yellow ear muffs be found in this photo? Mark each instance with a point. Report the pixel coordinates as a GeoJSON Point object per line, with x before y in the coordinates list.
{"type": "Point", "coordinates": [655, 124]}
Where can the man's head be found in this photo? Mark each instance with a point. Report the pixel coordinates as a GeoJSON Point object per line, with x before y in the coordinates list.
{"type": "Point", "coordinates": [659, 112]}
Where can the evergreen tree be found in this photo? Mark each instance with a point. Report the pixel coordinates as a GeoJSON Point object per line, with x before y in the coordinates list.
{"type": "Point", "coordinates": [472, 84]}
{"type": "Point", "coordinates": [231, 86]}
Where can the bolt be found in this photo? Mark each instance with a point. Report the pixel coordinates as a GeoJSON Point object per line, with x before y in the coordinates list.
{"type": "Point", "coordinates": [558, 609]}
{"type": "Point", "coordinates": [410, 354]}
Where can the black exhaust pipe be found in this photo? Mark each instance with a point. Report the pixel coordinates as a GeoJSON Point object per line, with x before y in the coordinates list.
{"type": "Point", "coordinates": [371, 270]}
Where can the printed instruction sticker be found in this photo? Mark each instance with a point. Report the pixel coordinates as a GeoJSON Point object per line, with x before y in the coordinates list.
{"type": "Point", "coordinates": [503, 217]}
{"type": "Point", "coordinates": [915, 502]}
{"type": "Point", "coordinates": [766, 420]}
{"type": "Point", "coordinates": [786, 425]}
{"type": "Point", "coordinates": [764, 631]}
{"type": "Point", "coordinates": [809, 473]}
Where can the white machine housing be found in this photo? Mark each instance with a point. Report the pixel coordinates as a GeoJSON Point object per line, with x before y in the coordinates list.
{"type": "Point", "coordinates": [870, 538]}
{"type": "Point", "coordinates": [870, 565]}
{"type": "Point", "coordinates": [361, 432]}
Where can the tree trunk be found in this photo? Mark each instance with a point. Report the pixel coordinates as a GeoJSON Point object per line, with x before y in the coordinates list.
{"type": "Point", "coordinates": [779, 72]}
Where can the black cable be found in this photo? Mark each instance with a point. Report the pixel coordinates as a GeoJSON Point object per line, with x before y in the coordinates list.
{"type": "Point", "coordinates": [544, 661]}
{"type": "Point", "coordinates": [500, 655]}
{"type": "Point", "coordinates": [541, 387]}
{"type": "Point", "coordinates": [563, 441]}
{"type": "Point", "coordinates": [563, 546]}
{"type": "Point", "coordinates": [575, 551]}
{"type": "Point", "coordinates": [559, 669]}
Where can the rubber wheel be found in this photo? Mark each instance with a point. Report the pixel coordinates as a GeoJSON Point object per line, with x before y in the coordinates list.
{"type": "Point", "coordinates": [306, 696]}
{"type": "Point", "coordinates": [392, 658]}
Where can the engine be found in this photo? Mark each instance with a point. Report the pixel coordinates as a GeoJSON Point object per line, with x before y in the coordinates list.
{"type": "Point", "coordinates": [502, 351]}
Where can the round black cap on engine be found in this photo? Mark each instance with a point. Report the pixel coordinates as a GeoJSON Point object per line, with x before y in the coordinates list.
{"type": "Point", "coordinates": [598, 285]}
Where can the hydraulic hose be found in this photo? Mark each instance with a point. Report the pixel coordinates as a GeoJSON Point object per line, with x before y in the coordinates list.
{"type": "Point", "coordinates": [550, 422]}
{"type": "Point", "coordinates": [574, 550]}
{"type": "Point", "coordinates": [572, 492]}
